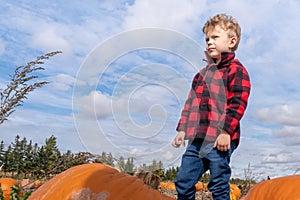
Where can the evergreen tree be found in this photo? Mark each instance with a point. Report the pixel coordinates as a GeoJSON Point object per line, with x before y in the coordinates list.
{"type": "Point", "coordinates": [2, 152]}
{"type": "Point", "coordinates": [121, 164]}
{"type": "Point", "coordinates": [8, 160]}
{"type": "Point", "coordinates": [48, 156]}
{"type": "Point", "coordinates": [129, 166]}
{"type": "Point", "coordinates": [18, 153]}
{"type": "Point", "coordinates": [155, 166]}
{"type": "Point", "coordinates": [110, 160]}
{"type": "Point", "coordinates": [103, 157]}
{"type": "Point", "coordinates": [171, 173]}
{"type": "Point", "coordinates": [30, 157]}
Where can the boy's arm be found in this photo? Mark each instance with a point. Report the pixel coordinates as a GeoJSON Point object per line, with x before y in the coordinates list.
{"type": "Point", "coordinates": [182, 124]}
{"type": "Point", "coordinates": [237, 99]}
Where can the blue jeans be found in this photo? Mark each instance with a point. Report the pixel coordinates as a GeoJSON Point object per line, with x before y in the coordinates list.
{"type": "Point", "coordinates": [193, 167]}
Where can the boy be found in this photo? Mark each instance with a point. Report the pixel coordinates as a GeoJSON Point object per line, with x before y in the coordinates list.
{"type": "Point", "coordinates": [211, 116]}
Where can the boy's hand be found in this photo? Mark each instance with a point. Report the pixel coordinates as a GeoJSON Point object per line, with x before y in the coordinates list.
{"type": "Point", "coordinates": [179, 139]}
{"type": "Point", "coordinates": [222, 142]}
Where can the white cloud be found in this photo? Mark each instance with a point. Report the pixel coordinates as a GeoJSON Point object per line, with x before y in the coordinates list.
{"type": "Point", "coordinates": [281, 114]}
{"type": "Point", "coordinates": [179, 15]}
{"type": "Point", "coordinates": [63, 82]}
{"type": "Point", "coordinates": [286, 118]}
{"type": "Point", "coordinates": [148, 101]}
{"type": "Point", "coordinates": [97, 104]}
{"type": "Point", "coordinates": [281, 157]}
{"type": "Point", "coordinates": [49, 38]}
{"type": "Point", "coordinates": [289, 135]}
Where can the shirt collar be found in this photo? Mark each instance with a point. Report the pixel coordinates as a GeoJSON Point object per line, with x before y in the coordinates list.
{"type": "Point", "coordinates": [226, 57]}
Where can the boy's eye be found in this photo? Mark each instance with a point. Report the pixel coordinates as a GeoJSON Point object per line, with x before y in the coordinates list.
{"type": "Point", "coordinates": [212, 37]}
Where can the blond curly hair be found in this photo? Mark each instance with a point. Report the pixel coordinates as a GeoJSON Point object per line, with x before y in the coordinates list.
{"type": "Point", "coordinates": [226, 22]}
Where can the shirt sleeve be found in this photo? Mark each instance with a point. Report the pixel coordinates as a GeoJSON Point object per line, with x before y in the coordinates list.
{"type": "Point", "coordinates": [182, 124]}
{"type": "Point", "coordinates": [237, 97]}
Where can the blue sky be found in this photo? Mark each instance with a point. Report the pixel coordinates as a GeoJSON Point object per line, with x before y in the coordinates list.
{"type": "Point", "coordinates": [126, 68]}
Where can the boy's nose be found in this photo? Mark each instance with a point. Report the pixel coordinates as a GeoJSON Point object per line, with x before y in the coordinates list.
{"type": "Point", "coordinates": [208, 41]}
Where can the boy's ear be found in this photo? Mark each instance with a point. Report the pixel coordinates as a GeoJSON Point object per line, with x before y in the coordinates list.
{"type": "Point", "coordinates": [232, 42]}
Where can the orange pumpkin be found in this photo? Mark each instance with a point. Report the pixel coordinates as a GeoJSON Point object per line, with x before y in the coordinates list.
{"type": "Point", "coordinates": [167, 185]}
{"type": "Point", "coordinates": [199, 186]}
{"type": "Point", "coordinates": [6, 185]}
{"type": "Point", "coordinates": [37, 183]}
{"type": "Point", "coordinates": [171, 185]}
{"type": "Point", "coordinates": [95, 181]}
{"type": "Point", "coordinates": [235, 190]}
{"type": "Point", "coordinates": [232, 196]}
{"type": "Point", "coordinates": [286, 187]}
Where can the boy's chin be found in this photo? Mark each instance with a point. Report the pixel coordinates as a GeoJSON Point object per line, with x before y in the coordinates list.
{"type": "Point", "coordinates": [215, 56]}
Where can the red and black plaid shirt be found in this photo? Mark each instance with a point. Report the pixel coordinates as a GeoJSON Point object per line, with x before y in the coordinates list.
{"type": "Point", "coordinates": [217, 100]}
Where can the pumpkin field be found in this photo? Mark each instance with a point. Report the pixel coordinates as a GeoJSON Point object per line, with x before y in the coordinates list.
{"type": "Point", "coordinates": [27, 168]}
{"type": "Point", "coordinates": [30, 171]}
{"type": "Point", "coordinates": [100, 181]}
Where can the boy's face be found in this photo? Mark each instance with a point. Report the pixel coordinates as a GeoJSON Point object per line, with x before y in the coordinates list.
{"type": "Point", "coordinates": [217, 41]}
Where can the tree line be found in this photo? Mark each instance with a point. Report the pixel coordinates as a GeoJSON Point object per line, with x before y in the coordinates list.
{"type": "Point", "coordinates": [25, 159]}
